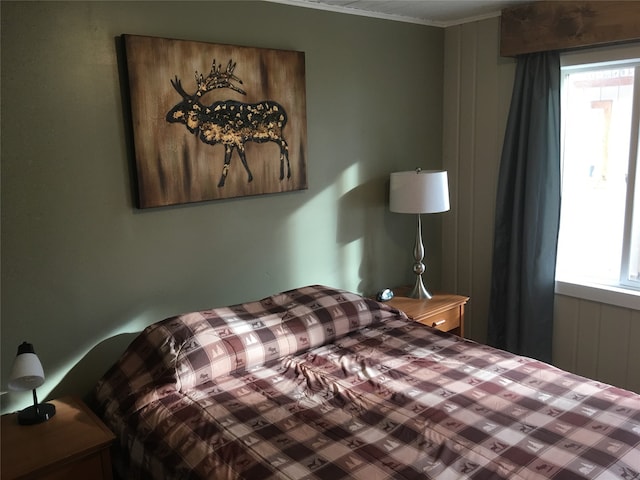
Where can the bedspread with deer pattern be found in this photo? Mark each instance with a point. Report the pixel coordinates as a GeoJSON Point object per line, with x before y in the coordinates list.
{"type": "Point", "coordinates": [318, 383]}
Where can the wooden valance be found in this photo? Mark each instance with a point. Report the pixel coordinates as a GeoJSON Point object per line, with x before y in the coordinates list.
{"type": "Point", "coordinates": [561, 25]}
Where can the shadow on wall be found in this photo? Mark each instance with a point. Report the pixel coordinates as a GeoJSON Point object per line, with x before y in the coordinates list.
{"type": "Point", "coordinates": [82, 378]}
{"type": "Point", "coordinates": [360, 216]}
{"type": "Point", "coordinates": [363, 214]}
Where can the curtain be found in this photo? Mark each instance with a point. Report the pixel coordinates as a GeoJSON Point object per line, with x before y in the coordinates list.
{"type": "Point", "coordinates": [528, 213]}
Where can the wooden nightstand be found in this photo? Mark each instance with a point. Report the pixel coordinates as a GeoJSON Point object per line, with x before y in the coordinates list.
{"type": "Point", "coordinates": [72, 444]}
{"type": "Point", "coordinates": [444, 312]}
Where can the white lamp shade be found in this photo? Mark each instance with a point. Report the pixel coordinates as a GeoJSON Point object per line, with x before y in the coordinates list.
{"type": "Point", "coordinates": [27, 372]}
{"type": "Point", "coordinates": [419, 191]}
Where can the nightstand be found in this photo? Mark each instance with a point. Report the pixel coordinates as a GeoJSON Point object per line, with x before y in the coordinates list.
{"type": "Point", "coordinates": [74, 443]}
{"type": "Point", "coordinates": [444, 312]}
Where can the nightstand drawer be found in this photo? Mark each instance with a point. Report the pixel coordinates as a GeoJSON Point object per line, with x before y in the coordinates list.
{"type": "Point", "coordinates": [444, 321]}
{"type": "Point", "coordinates": [88, 467]}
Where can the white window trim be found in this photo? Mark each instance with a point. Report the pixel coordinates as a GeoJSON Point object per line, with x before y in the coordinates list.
{"type": "Point", "coordinates": [607, 294]}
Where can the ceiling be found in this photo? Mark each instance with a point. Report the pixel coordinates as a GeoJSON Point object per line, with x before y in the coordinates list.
{"type": "Point", "coordinates": [440, 13]}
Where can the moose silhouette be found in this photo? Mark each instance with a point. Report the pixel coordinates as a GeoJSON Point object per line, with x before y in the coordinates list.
{"type": "Point", "coordinates": [230, 122]}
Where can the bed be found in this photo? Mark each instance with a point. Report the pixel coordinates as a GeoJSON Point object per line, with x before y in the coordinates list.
{"type": "Point", "coordinates": [321, 383]}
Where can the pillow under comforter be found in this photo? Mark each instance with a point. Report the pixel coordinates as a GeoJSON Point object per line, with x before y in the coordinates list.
{"type": "Point", "coordinates": [188, 350]}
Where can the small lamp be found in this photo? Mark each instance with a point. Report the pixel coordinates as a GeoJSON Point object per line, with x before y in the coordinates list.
{"type": "Point", "coordinates": [27, 374]}
{"type": "Point", "coordinates": [419, 191]}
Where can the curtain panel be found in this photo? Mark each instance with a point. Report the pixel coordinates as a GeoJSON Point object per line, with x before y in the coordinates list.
{"type": "Point", "coordinates": [528, 212]}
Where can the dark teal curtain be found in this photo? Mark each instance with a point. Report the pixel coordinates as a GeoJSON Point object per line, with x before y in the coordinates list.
{"type": "Point", "coordinates": [528, 212]}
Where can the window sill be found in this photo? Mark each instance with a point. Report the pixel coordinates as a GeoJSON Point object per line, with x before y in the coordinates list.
{"type": "Point", "coordinates": [620, 297]}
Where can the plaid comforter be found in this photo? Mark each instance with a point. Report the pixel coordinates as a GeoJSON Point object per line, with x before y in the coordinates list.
{"type": "Point", "coordinates": [319, 383]}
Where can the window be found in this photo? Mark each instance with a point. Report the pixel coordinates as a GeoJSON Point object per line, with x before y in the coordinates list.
{"type": "Point", "coordinates": [599, 239]}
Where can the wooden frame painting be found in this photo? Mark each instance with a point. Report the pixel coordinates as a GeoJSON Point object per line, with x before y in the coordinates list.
{"type": "Point", "coordinates": [214, 121]}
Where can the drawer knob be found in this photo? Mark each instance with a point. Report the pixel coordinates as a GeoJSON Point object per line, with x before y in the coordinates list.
{"type": "Point", "coordinates": [439, 322]}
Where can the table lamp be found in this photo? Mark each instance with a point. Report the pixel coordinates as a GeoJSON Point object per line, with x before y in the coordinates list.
{"type": "Point", "coordinates": [27, 374]}
{"type": "Point", "coordinates": [419, 191]}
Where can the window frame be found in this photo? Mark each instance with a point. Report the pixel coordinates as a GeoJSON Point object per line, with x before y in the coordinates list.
{"type": "Point", "coordinates": [632, 194]}
{"type": "Point", "coordinates": [627, 293]}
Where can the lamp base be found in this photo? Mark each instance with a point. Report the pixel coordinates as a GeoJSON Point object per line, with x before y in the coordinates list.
{"type": "Point", "coordinates": [419, 290]}
{"type": "Point", "coordinates": [36, 414]}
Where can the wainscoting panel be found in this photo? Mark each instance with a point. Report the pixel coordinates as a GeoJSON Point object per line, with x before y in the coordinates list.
{"type": "Point", "coordinates": [477, 93]}
{"type": "Point", "coordinates": [598, 341]}
{"type": "Point", "coordinates": [633, 360]}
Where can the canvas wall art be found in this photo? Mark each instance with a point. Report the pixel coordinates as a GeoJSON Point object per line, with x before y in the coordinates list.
{"type": "Point", "coordinates": [213, 121]}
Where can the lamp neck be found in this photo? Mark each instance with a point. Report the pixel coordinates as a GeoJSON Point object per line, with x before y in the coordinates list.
{"type": "Point", "coordinates": [35, 399]}
{"type": "Point", "coordinates": [25, 347]}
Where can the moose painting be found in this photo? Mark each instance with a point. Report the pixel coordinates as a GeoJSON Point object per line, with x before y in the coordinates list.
{"type": "Point", "coordinates": [230, 123]}
{"type": "Point", "coordinates": [238, 130]}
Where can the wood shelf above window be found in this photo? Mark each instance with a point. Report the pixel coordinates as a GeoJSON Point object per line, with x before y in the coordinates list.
{"type": "Point", "coordinates": [562, 25]}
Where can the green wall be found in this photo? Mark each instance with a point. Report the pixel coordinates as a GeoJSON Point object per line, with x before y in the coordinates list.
{"type": "Point", "coordinates": [83, 269]}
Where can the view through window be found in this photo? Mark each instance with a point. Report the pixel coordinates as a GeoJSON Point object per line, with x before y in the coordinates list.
{"type": "Point", "coordinates": [599, 241]}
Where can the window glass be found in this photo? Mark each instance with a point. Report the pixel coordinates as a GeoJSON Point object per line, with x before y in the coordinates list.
{"type": "Point", "coordinates": [595, 221]}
